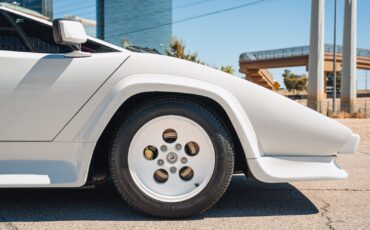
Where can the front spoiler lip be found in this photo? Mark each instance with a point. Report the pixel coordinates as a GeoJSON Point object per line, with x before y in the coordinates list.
{"type": "Point", "coordinates": [351, 145]}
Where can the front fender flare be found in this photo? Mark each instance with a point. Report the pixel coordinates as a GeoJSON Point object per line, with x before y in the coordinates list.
{"type": "Point", "coordinates": [142, 83]}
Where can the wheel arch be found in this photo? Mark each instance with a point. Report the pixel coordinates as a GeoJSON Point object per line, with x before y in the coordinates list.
{"type": "Point", "coordinates": [134, 90]}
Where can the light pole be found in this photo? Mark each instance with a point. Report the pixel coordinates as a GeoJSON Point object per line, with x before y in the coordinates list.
{"type": "Point", "coordinates": [335, 56]}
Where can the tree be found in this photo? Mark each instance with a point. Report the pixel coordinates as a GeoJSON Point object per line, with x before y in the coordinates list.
{"type": "Point", "coordinates": [228, 69]}
{"type": "Point", "coordinates": [294, 83]}
{"type": "Point", "coordinates": [177, 49]}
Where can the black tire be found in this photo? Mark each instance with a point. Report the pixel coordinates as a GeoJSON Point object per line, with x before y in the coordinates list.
{"type": "Point", "coordinates": [209, 121]}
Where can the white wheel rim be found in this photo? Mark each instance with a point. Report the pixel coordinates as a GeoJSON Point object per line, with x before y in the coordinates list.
{"type": "Point", "coordinates": [175, 189]}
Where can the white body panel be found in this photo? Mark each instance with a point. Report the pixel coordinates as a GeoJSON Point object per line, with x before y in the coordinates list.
{"type": "Point", "coordinates": [54, 109]}
{"type": "Point", "coordinates": [303, 168]}
{"type": "Point", "coordinates": [281, 126]}
{"type": "Point", "coordinates": [44, 164]}
{"type": "Point", "coordinates": [40, 93]}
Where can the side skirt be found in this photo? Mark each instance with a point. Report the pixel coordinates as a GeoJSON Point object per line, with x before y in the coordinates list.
{"type": "Point", "coordinates": [44, 164]}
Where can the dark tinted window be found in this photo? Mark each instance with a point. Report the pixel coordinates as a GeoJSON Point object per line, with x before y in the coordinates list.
{"type": "Point", "coordinates": [94, 47]}
{"type": "Point", "coordinates": [40, 36]}
{"type": "Point", "coordinates": [9, 40]}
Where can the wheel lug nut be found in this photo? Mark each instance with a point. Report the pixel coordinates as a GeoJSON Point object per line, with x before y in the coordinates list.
{"type": "Point", "coordinates": [184, 160]}
{"type": "Point", "coordinates": [160, 162]}
{"type": "Point", "coordinates": [163, 148]}
{"type": "Point", "coordinates": [178, 146]}
{"type": "Point", "coordinates": [173, 169]}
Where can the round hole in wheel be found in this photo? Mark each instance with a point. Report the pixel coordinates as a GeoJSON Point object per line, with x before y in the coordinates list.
{"type": "Point", "coordinates": [186, 173]}
{"type": "Point", "coordinates": [192, 148]}
{"type": "Point", "coordinates": [150, 152]}
{"type": "Point", "coordinates": [160, 175]}
{"type": "Point", "coordinates": [170, 135]}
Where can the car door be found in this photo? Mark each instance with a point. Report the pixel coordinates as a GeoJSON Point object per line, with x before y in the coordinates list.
{"type": "Point", "coordinates": [40, 89]}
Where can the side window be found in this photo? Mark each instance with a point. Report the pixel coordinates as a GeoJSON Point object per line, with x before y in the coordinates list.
{"type": "Point", "coordinates": [40, 36]}
{"type": "Point", "coordinates": [9, 39]}
{"type": "Point", "coordinates": [94, 47]}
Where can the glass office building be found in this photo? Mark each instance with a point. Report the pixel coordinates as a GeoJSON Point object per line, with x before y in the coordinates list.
{"type": "Point", "coordinates": [145, 23]}
{"type": "Point", "coordinates": [44, 7]}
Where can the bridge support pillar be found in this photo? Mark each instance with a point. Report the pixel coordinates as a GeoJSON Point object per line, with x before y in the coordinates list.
{"type": "Point", "coordinates": [348, 84]}
{"type": "Point", "coordinates": [316, 79]}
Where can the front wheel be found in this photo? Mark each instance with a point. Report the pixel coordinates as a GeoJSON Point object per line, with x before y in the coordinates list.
{"type": "Point", "coordinates": [172, 158]}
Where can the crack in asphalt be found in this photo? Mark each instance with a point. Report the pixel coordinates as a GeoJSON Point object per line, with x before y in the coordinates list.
{"type": "Point", "coordinates": [365, 153]}
{"type": "Point", "coordinates": [8, 225]}
{"type": "Point", "coordinates": [325, 212]}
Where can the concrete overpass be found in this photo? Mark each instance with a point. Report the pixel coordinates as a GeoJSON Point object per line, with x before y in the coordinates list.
{"type": "Point", "coordinates": [255, 64]}
{"type": "Point", "coordinates": [316, 57]}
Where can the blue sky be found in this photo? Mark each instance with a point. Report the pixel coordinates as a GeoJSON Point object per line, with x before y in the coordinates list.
{"type": "Point", "coordinates": [221, 38]}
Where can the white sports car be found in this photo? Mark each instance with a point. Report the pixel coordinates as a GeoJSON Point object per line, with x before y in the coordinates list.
{"type": "Point", "coordinates": [170, 133]}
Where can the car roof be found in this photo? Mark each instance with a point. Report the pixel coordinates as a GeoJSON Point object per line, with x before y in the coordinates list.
{"type": "Point", "coordinates": [46, 22]}
{"type": "Point", "coordinates": [22, 9]}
